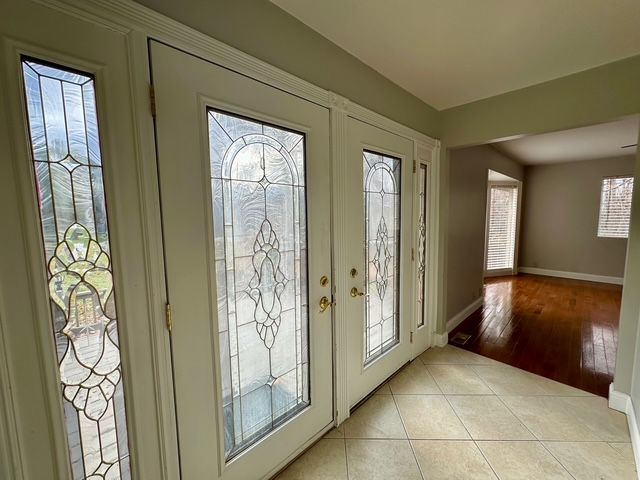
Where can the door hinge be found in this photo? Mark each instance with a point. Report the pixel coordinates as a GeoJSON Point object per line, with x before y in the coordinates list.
{"type": "Point", "coordinates": [152, 100]}
{"type": "Point", "coordinates": [411, 337]}
{"type": "Point", "coordinates": [169, 317]}
{"type": "Point", "coordinates": [415, 166]}
{"type": "Point", "coordinates": [412, 254]}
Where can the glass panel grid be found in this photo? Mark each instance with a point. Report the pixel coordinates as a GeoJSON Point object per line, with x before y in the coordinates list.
{"type": "Point", "coordinates": [67, 162]}
{"type": "Point", "coordinates": [382, 181]}
{"type": "Point", "coordinates": [259, 223]}
{"type": "Point", "coordinates": [422, 240]}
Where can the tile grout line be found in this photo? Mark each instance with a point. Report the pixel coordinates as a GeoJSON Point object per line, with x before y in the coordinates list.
{"type": "Point", "coordinates": [515, 416]}
{"type": "Point", "coordinates": [536, 437]}
{"type": "Point", "coordinates": [471, 437]}
{"type": "Point", "coordinates": [413, 451]}
{"type": "Point", "coordinates": [346, 456]}
{"type": "Point", "coordinates": [556, 458]}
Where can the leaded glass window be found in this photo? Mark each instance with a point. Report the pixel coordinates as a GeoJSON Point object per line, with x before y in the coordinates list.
{"type": "Point", "coordinates": [260, 228]}
{"type": "Point", "coordinates": [67, 162]}
{"type": "Point", "coordinates": [382, 253]}
{"type": "Point", "coordinates": [422, 240]}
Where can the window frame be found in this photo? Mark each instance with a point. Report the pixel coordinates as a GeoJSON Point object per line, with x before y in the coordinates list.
{"type": "Point", "coordinates": [517, 184]}
{"type": "Point", "coordinates": [600, 204]}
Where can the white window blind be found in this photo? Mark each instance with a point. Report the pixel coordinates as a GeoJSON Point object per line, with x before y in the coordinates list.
{"type": "Point", "coordinates": [615, 207]}
{"type": "Point", "coordinates": [501, 229]}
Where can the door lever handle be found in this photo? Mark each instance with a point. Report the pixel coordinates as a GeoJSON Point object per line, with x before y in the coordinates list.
{"type": "Point", "coordinates": [355, 293]}
{"type": "Point", "coordinates": [325, 303]}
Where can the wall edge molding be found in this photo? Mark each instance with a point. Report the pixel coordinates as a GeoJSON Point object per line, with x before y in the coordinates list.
{"type": "Point", "coordinates": [573, 275]}
{"type": "Point", "coordinates": [622, 403]}
{"type": "Point", "coordinates": [440, 339]}
{"type": "Point", "coordinates": [459, 317]}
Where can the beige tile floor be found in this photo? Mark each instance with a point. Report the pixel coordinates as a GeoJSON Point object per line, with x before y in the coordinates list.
{"type": "Point", "coordinates": [452, 414]}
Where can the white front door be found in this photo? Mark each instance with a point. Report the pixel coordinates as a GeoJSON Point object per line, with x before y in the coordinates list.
{"type": "Point", "coordinates": [378, 297]}
{"type": "Point", "coordinates": [244, 180]}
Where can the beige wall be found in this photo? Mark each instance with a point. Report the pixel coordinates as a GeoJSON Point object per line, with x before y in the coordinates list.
{"type": "Point", "coordinates": [468, 170]}
{"type": "Point", "coordinates": [586, 98]}
{"type": "Point", "coordinates": [594, 96]}
{"type": "Point", "coordinates": [267, 32]}
{"type": "Point", "coordinates": [560, 218]}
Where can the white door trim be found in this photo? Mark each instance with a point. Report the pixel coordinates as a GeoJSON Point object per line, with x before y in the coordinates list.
{"type": "Point", "coordinates": [125, 16]}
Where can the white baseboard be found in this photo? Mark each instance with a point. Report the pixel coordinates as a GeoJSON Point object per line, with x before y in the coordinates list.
{"type": "Point", "coordinates": [574, 275]}
{"type": "Point", "coordinates": [622, 402]}
{"type": "Point", "coordinates": [440, 339]}
{"type": "Point", "coordinates": [618, 400]}
{"type": "Point", "coordinates": [459, 317]}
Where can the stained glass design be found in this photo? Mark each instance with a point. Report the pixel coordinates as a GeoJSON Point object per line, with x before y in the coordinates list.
{"type": "Point", "coordinates": [260, 228]}
{"type": "Point", "coordinates": [382, 253]}
{"type": "Point", "coordinates": [67, 162]}
{"type": "Point", "coordinates": [422, 241]}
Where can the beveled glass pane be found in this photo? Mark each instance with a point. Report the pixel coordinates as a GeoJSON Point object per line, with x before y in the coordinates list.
{"type": "Point", "coordinates": [422, 241]}
{"type": "Point", "coordinates": [68, 172]}
{"type": "Point", "coordinates": [259, 210]}
{"type": "Point", "coordinates": [382, 253]}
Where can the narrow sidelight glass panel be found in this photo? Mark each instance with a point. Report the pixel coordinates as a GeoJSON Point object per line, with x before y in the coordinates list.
{"type": "Point", "coordinates": [422, 240]}
{"type": "Point", "coordinates": [67, 162]}
{"type": "Point", "coordinates": [382, 253]}
{"type": "Point", "coordinates": [260, 234]}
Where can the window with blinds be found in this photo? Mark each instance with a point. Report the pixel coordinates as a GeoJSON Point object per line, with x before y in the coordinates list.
{"type": "Point", "coordinates": [615, 207]}
{"type": "Point", "coordinates": [501, 227]}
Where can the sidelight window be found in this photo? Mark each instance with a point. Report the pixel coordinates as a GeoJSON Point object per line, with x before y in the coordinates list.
{"type": "Point", "coordinates": [67, 164]}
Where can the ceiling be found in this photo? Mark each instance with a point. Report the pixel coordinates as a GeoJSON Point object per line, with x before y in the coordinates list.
{"type": "Point", "coordinates": [586, 143]}
{"type": "Point", "coordinates": [451, 52]}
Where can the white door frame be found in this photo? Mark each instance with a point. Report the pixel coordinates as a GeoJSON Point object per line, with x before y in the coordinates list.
{"type": "Point", "coordinates": [138, 23]}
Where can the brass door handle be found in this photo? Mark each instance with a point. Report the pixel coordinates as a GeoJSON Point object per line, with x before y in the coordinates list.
{"type": "Point", "coordinates": [325, 303]}
{"type": "Point", "coordinates": [355, 293]}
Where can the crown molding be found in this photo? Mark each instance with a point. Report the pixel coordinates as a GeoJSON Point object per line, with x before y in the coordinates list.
{"type": "Point", "coordinates": [125, 16]}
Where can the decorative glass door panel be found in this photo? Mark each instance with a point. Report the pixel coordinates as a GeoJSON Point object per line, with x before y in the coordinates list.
{"type": "Point", "coordinates": [67, 164]}
{"type": "Point", "coordinates": [259, 223]}
{"type": "Point", "coordinates": [378, 237]}
{"type": "Point", "coordinates": [423, 211]}
{"type": "Point", "coordinates": [382, 181]}
{"type": "Point", "coordinates": [246, 214]}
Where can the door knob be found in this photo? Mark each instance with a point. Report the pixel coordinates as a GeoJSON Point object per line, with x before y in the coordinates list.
{"type": "Point", "coordinates": [355, 293]}
{"type": "Point", "coordinates": [325, 303]}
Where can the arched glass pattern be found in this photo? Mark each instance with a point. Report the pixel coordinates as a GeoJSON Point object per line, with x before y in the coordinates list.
{"type": "Point", "coordinates": [67, 162]}
{"type": "Point", "coordinates": [382, 253]}
{"type": "Point", "coordinates": [259, 226]}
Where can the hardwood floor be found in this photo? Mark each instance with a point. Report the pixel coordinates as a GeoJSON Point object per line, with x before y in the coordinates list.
{"type": "Point", "coordinates": [562, 329]}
